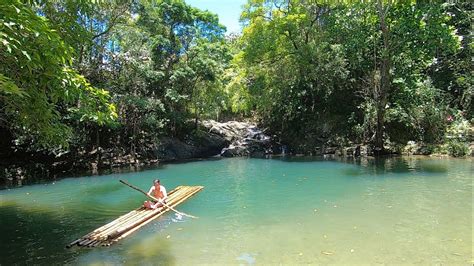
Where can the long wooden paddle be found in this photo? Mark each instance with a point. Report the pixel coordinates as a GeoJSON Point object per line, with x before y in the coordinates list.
{"type": "Point", "coordinates": [155, 199]}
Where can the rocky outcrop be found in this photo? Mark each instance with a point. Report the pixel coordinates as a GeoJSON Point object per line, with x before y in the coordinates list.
{"type": "Point", "coordinates": [205, 145]}
{"type": "Point", "coordinates": [246, 139]}
{"type": "Point", "coordinates": [199, 144]}
{"type": "Point", "coordinates": [358, 150]}
{"type": "Point", "coordinates": [211, 139]}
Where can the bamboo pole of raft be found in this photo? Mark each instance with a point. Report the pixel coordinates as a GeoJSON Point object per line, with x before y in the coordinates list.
{"type": "Point", "coordinates": [99, 231]}
{"type": "Point", "coordinates": [124, 225]}
{"type": "Point", "coordinates": [114, 223]}
{"type": "Point", "coordinates": [165, 210]}
{"type": "Point", "coordinates": [192, 192]}
{"type": "Point", "coordinates": [153, 198]}
{"type": "Point", "coordinates": [163, 203]}
{"type": "Point", "coordinates": [103, 234]}
{"type": "Point", "coordinates": [102, 228]}
{"type": "Point", "coordinates": [146, 215]}
{"type": "Point", "coordinates": [132, 221]}
{"type": "Point", "coordinates": [123, 217]}
{"type": "Point", "coordinates": [153, 211]}
{"type": "Point", "coordinates": [138, 212]}
{"type": "Point", "coordinates": [147, 221]}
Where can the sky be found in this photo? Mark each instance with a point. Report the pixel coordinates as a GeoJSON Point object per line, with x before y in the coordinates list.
{"type": "Point", "coordinates": [227, 10]}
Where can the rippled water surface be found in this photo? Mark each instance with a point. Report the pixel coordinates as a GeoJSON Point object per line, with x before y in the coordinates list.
{"type": "Point", "coordinates": [256, 211]}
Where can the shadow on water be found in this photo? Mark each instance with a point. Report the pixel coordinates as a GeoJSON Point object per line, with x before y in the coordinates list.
{"type": "Point", "coordinates": [35, 237]}
{"type": "Point", "coordinates": [40, 179]}
{"type": "Point", "coordinates": [40, 237]}
{"type": "Point", "coordinates": [152, 251]}
{"type": "Point", "coordinates": [433, 168]}
{"type": "Point", "coordinates": [102, 189]}
{"type": "Point", "coordinates": [45, 179]}
{"type": "Point", "coordinates": [395, 165]}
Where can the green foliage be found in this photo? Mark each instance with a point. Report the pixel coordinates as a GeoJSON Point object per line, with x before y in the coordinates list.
{"type": "Point", "coordinates": [458, 148]}
{"type": "Point", "coordinates": [315, 69]}
{"type": "Point", "coordinates": [162, 62]}
{"type": "Point", "coordinates": [452, 72]}
{"type": "Point", "coordinates": [415, 109]}
{"type": "Point", "coordinates": [418, 113]}
{"type": "Point", "coordinates": [292, 72]}
{"type": "Point", "coordinates": [459, 127]}
{"type": "Point", "coordinates": [38, 87]}
{"type": "Point", "coordinates": [188, 57]}
{"type": "Point", "coordinates": [312, 72]}
{"type": "Point", "coordinates": [86, 26]}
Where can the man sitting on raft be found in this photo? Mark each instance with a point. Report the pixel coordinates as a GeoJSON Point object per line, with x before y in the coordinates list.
{"type": "Point", "coordinates": [159, 192]}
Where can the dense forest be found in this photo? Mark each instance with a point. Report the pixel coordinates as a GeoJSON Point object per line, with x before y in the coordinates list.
{"type": "Point", "coordinates": [78, 76]}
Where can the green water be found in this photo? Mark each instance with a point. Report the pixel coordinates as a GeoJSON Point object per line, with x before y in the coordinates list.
{"type": "Point", "coordinates": [256, 211]}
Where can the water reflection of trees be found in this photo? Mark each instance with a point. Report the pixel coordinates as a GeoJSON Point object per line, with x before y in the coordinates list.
{"type": "Point", "coordinates": [386, 165]}
{"type": "Point", "coordinates": [381, 165]}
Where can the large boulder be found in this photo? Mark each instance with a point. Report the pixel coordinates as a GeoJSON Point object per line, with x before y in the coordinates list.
{"type": "Point", "coordinates": [245, 138]}
{"type": "Point", "coordinates": [196, 146]}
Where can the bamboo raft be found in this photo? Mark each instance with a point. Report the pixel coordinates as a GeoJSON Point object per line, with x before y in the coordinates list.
{"type": "Point", "coordinates": [132, 221]}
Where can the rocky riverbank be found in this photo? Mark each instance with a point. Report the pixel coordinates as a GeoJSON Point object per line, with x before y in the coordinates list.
{"type": "Point", "coordinates": [245, 138]}
{"type": "Point", "coordinates": [212, 138]}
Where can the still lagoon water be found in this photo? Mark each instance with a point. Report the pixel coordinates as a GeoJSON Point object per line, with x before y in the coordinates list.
{"type": "Point", "coordinates": [405, 210]}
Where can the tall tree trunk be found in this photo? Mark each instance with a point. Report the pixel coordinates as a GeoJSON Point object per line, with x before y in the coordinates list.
{"type": "Point", "coordinates": [196, 120]}
{"type": "Point", "coordinates": [385, 82]}
{"type": "Point", "coordinates": [97, 143]}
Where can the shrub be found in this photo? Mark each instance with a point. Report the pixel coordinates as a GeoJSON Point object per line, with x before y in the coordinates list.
{"type": "Point", "coordinates": [458, 148]}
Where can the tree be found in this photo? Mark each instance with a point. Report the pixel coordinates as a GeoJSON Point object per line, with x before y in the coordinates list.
{"type": "Point", "coordinates": [452, 71]}
{"type": "Point", "coordinates": [345, 67]}
{"type": "Point", "coordinates": [179, 35]}
{"type": "Point", "coordinates": [87, 27]}
{"type": "Point", "coordinates": [39, 91]}
{"type": "Point", "coordinates": [292, 71]}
